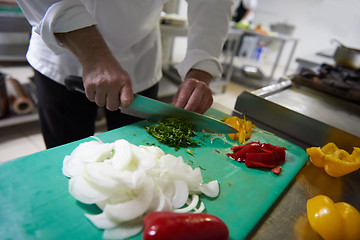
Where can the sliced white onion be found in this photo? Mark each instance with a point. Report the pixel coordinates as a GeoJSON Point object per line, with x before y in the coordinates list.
{"type": "Point", "coordinates": [192, 204]}
{"type": "Point", "coordinates": [194, 178]}
{"type": "Point", "coordinates": [100, 174]}
{"type": "Point", "coordinates": [200, 209]}
{"type": "Point", "coordinates": [93, 151]}
{"type": "Point", "coordinates": [145, 157]}
{"type": "Point", "coordinates": [72, 168]}
{"type": "Point", "coordinates": [84, 192]}
{"type": "Point", "coordinates": [85, 153]}
{"type": "Point", "coordinates": [104, 175]}
{"type": "Point", "coordinates": [210, 189]}
{"type": "Point", "coordinates": [101, 221]}
{"type": "Point", "coordinates": [181, 194]}
{"type": "Point", "coordinates": [128, 181]}
{"type": "Point", "coordinates": [134, 208]}
{"type": "Point", "coordinates": [123, 154]}
{"type": "Point", "coordinates": [97, 139]}
{"type": "Point", "coordinates": [160, 202]}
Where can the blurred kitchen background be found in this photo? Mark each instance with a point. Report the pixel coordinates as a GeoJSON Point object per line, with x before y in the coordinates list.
{"type": "Point", "coordinates": [284, 37]}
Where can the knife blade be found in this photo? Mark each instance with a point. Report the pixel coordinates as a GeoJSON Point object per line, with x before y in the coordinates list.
{"type": "Point", "coordinates": [151, 109]}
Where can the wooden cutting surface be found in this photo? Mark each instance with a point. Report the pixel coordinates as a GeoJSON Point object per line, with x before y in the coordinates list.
{"type": "Point", "coordinates": [35, 202]}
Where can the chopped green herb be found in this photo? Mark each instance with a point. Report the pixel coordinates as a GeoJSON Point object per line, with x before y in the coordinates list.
{"type": "Point", "coordinates": [173, 133]}
{"type": "Point", "coordinates": [202, 168]}
{"type": "Point", "coordinates": [191, 152]}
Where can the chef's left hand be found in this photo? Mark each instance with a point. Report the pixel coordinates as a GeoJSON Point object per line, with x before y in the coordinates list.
{"type": "Point", "coordinates": [194, 94]}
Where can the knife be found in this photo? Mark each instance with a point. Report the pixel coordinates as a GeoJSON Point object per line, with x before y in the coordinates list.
{"type": "Point", "coordinates": [150, 109]}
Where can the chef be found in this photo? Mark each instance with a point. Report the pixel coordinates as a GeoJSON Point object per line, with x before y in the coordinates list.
{"type": "Point", "coordinates": [244, 10]}
{"type": "Point", "coordinates": [115, 46]}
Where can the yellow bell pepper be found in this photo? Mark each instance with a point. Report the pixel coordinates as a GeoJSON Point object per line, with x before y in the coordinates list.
{"type": "Point", "coordinates": [336, 162]}
{"type": "Point", "coordinates": [244, 128]}
{"type": "Point", "coordinates": [333, 220]}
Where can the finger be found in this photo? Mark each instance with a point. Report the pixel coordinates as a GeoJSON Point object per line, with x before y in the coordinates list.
{"type": "Point", "coordinates": [174, 100]}
{"type": "Point", "coordinates": [184, 92]}
{"type": "Point", "coordinates": [101, 93]}
{"type": "Point", "coordinates": [205, 105]}
{"type": "Point", "coordinates": [182, 97]}
{"type": "Point", "coordinates": [100, 98]}
{"type": "Point", "coordinates": [113, 99]}
{"type": "Point", "coordinates": [194, 101]}
{"type": "Point", "coordinates": [200, 99]}
{"type": "Point", "coordinates": [90, 93]}
{"type": "Point", "coordinates": [127, 96]}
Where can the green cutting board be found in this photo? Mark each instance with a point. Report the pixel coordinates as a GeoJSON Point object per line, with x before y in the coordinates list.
{"type": "Point", "coordinates": [35, 202]}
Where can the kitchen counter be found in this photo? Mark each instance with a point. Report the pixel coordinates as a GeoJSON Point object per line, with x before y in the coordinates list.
{"type": "Point", "coordinates": [306, 118]}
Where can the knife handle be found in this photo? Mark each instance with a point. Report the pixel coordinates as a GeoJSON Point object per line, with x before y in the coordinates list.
{"type": "Point", "coordinates": [74, 83]}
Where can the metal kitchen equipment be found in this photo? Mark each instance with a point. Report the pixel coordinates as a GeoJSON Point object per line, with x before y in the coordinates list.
{"type": "Point", "coordinates": [347, 57]}
{"type": "Point", "coordinates": [302, 115]}
{"type": "Point", "coordinates": [335, 80]}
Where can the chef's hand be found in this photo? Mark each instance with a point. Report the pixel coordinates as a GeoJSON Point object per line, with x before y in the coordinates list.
{"type": "Point", "coordinates": [106, 83]}
{"type": "Point", "coordinates": [194, 94]}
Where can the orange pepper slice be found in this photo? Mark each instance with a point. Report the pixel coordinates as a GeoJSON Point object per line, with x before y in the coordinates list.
{"type": "Point", "coordinates": [244, 128]}
{"type": "Point", "coordinates": [234, 122]}
{"type": "Point", "coordinates": [336, 162]}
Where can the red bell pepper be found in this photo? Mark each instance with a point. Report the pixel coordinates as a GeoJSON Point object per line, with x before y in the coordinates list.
{"type": "Point", "coordinates": [250, 147]}
{"type": "Point", "coordinates": [260, 159]}
{"type": "Point", "coordinates": [179, 226]}
{"type": "Point", "coordinates": [276, 170]}
{"type": "Point", "coordinates": [256, 154]}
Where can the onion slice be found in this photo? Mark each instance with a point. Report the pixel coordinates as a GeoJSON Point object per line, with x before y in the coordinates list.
{"type": "Point", "coordinates": [101, 221]}
{"type": "Point", "coordinates": [210, 189]}
{"type": "Point", "coordinates": [127, 182]}
{"type": "Point", "coordinates": [181, 194]}
{"type": "Point", "coordinates": [191, 204]}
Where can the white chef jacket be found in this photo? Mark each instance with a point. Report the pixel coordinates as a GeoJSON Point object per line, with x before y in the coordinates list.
{"type": "Point", "coordinates": [132, 31]}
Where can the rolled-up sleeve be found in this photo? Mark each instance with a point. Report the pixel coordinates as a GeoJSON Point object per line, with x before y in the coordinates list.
{"type": "Point", "coordinates": [209, 22]}
{"type": "Point", "coordinates": [49, 17]}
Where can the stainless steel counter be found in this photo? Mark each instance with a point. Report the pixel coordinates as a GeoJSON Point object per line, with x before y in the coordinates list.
{"type": "Point", "coordinates": [302, 115]}
{"type": "Point", "coordinates": [334, 112]}
{"type": "Point", "coordinates": [306, 118]}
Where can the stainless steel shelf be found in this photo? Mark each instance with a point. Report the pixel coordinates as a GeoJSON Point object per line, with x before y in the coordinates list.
{"type": "Point", "coordinates": [13, 52]}
{"type": "Point", "coordinates": [12, 119]}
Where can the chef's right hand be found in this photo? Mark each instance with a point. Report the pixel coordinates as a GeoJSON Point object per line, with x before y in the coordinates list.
{"type": "Point", "coordinates": [106, 83]}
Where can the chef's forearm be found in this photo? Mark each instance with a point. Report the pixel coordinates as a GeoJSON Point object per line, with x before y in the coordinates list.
{"type": "Point", "coordinates": [86, 44]}
{"type": "Point", "coordinates": [208, 27]}
{"type": "Point", "coordinates": [199, 75]}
